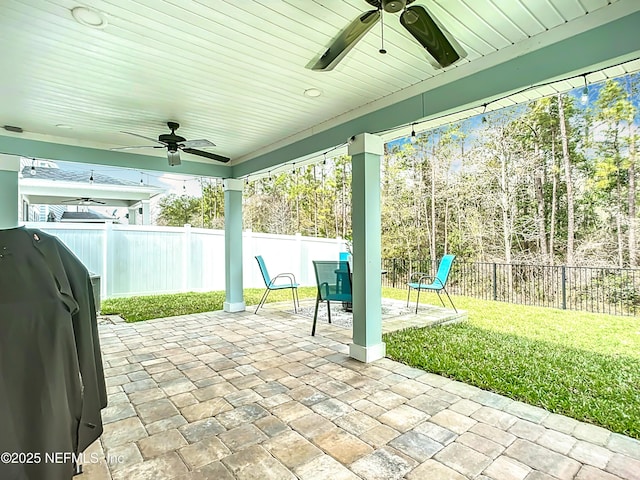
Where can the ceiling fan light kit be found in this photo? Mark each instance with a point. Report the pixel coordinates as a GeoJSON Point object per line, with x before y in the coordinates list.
{"type": "Point", "coordinates": [441, 48]}
{"type": "Point", "coordinates": [173, 157]}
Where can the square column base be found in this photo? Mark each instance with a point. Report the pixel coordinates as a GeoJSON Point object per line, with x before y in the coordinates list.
{"type": "Point", "coordinates": [234, 307]}
{"type": "Point", "coordinates": [367, 354]}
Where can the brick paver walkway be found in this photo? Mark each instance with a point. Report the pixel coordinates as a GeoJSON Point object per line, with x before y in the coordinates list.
{"type": "Point", "coordinates": [241, 396]}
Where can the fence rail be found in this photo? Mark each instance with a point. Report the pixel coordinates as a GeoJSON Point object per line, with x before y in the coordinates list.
{"type": "Point", "coordinates": [145, 259]}
{"type": "Point", "coordinates": [613, 291]}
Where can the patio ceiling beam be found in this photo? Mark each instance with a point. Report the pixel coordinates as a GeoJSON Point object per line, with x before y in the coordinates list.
{"type": "Point", "coordinates": [25, 147]}
{"type": "Point", "coordinates": [601, 45]}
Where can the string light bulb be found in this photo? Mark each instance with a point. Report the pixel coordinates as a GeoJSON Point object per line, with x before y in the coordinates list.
{"type": "Point", "coordinates": [484, 109]}
{"type": "Point", "coordinates": [584, 98]}
{"type": "Point", "coordinates": [414, 139]}
{"type": "Point", "coordinates": [33, 168]}
{"type": "Point", "coordinates": [91, 178]}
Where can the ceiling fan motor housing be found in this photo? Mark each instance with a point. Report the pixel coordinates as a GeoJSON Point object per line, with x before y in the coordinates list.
{"type": "Point", "coordinates": [171, 139]}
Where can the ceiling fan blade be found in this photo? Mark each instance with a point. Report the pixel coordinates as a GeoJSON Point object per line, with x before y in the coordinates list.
{"type": "Point", "coordinates": [84, 201]}
{"type": "Point", "coordinates": [202, 153]}
{"type": "Point", "coordinates": [139, 146]}
{"type": "Point", "coordinates": [435, 39]}
{"type": "Point", "coordinates": [346, 40]}
{"type": "Point", "coordinates": [202, 143]}
{"type": "Point", "coordinates": [146, 138]}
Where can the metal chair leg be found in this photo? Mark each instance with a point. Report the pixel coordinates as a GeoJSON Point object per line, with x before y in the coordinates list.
{"type": "Point", "coordinates": [293, 296]}
{"type": "Point", "coordinates": [454, 307]}
{"type": "Point", "coordinates": [329, 310]}
{"type": "Point", "coordinates": [263, 299]}
{"type": "Point", "coordinates": [315, 317]}
{"type": "Point", "coordinates": [297, 300]}
{"type": "Point", "coordinates": [417, 301]}
{"type": "Point", "coordinates": [441, 301]}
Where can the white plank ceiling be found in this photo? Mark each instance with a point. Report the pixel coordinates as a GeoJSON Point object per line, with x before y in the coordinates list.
{"type": "Point", "coordinates": [229, 71]}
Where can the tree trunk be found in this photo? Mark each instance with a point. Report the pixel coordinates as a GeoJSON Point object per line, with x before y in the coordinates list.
{"type": "Point", "coordinates": [620, 239]}
{"type": "Point", "coordinates": [554, 200]}
{"type": "Point", "coordinates": [315, 202]}
{"type": "Point", "coordinates": [446, 226]}
{"type": "Point", "coordinates": [433, 213]}
{"type": "Point", "coordinates": [344, 201]}
{"type": "Point", "coordinates": [542, 233]}
{"type": "Point", "coordinates": [566, 160]}
{"type": "Point", "coordinates": [297, 202]}
{"type": "Point", "coordinates": [538, 186]}
{"type": "Point", "coordinates": [632, 199]}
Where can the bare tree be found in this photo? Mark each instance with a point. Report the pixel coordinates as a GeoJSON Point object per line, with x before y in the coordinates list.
{"type": "Point", "coordinates": [566, 160]}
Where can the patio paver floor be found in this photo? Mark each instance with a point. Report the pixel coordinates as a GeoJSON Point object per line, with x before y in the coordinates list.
{"type": "Point", "coordinates": [244, 396]}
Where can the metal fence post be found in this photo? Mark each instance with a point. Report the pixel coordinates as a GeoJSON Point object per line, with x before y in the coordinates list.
{"type": "Point", "coordinates": [564, 287]}
{"type": "Point", "coordinates": [495, 281]}
{"type": "Point", "coordinates": [393, 278]}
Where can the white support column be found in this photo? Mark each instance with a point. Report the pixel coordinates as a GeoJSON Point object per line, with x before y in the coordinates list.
{"type": "Point", "coordinates": [146, 212]}
{"type": "Point", "coordinates": [234, 301]}
{"type": "Point", "coordinates": [133, 215]}
{"type": "Point", "coordinates": [365, 151]}
{"type": "Point", "coordinates": [9, 197]}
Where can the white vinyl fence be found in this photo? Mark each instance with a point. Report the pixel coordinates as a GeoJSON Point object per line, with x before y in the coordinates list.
{"type": "Point", "coordinates": [147, 260]}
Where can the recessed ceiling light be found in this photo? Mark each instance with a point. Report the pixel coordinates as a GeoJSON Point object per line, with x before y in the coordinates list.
{"type": "Point", "coordinates": [313, 92]}
{"type": "Point", "coordinates": [64, 126]}
{"type": "Point", "coordinates": [89, 17]}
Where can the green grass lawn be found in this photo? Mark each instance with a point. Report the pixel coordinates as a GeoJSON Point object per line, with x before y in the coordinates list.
{"type": "Point", "coordinates": [583, 365]}
{"type": "Point", "coordinates": [136, 309]}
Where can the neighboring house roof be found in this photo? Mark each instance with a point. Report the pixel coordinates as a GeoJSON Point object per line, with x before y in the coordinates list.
{"type": "Point", "coordinates": [56, 186]}
{"type": "Point", "coordinates": [71, 176]}
{"type": "Point", "coordinates": [87, 217]}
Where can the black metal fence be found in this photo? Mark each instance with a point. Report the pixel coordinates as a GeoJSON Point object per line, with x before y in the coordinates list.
{"type": "Point", "coordinates": [614, 291]}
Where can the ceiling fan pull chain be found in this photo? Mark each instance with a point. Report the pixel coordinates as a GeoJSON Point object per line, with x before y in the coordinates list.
{"type": "Point", "coordinates": [382, 50]}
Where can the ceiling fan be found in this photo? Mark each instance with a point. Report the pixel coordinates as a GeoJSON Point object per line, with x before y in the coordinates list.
{"type": "Point", "coordinates": [443, 50]}
{"type": "Point", "coordinates": [84, 201]}
{"type": "Point", "coordinates": [175, 143]}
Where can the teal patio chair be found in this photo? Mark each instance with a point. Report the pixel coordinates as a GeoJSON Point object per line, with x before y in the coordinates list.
{"type": "Point", "coordinates": [276, 283]}
{"type": "Point", "coordinates": [333, 279]}
{"type": "Point", "coordinates": [422, 281]}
